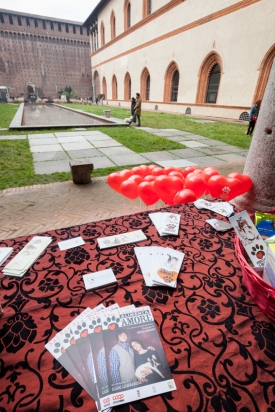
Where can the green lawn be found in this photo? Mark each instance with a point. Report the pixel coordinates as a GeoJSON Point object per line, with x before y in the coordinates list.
{"type": "Point", "coordinates": [16, 166]}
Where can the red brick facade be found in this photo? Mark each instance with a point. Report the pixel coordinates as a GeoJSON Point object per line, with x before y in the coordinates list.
{"type": "Point", "coordinates": [48, 52]}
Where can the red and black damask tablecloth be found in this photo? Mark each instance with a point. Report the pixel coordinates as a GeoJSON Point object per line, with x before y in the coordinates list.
{"type": "Point", "coordinates": [219, 345]}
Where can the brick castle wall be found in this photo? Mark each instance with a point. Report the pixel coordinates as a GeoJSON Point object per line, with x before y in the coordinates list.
{"type": "Point", "coordinates": [49, 52]}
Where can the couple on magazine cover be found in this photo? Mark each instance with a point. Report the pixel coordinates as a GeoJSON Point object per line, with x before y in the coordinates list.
{"type": "Point", "coordinates": [133, 363]}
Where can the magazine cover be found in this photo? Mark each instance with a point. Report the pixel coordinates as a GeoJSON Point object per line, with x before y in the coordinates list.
{"type": "Point", "coordinates": [133, 363]}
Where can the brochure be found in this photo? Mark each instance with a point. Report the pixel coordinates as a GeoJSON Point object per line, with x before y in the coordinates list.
{"type": "Point", "coordinates": [19, 265]}
{"type": "Point", "coordinates": [160, 266]}
{"type": "Point", "coordinates": [250, 238]}
{"type": "Point", "coordinates": [122, 239]}
{"type": "Point", "coordinates": [219, 225]}
{"type": "Point", "coordinates": [166, 223]}
{"type": "Point", "coordinates": [5, 252]}
{"type": "Point", "coordinates": [222, 208]}
{"type": "Point", "coordinates": [99, 279]}
{"type": "Point", "coordinates": [70, 243]}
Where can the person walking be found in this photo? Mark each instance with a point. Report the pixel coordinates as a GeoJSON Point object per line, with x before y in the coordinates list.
{"type": "Point", "coordinates": [253, 116]}
{"type": "Point", "coordinates": [137, 110]}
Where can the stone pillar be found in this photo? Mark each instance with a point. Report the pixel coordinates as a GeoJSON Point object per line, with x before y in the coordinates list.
{"type": "Point", "coordinates": [260, 162]}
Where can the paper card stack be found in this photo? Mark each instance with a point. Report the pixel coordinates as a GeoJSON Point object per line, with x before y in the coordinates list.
{"type": "Point", "coordinates": [99, 279]}
{"type": "Point", "coordinates": [166, 223]}
{"type": "Point", "coordinates": [19, 265]}
{"type": "Point", "coordinates": [5, 252]}
{"type": "Point", "coordinates": [222, 208]}
{"type": "Point", "coordinates": [90, 346]}
{"type": "Point", "coordinates": [121, 239]}
{"type": "Point", "coordinates": [160, 266]}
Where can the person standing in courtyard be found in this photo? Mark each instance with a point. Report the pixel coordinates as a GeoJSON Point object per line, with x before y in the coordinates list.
{"type": "Point", "coordinates": [253, 116]}
{"type": "Point", "coordinates": [137, 109]}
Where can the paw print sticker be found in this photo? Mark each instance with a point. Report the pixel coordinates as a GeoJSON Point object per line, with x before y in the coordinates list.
{"type": "Point", "coordinates": [111, 322]}
{"type": "Point", "coordinates": [258, 251]}
{"type": "Point", "coordinates": [95, 326]}
{"type": "Point", "coordinates": [81, 330]}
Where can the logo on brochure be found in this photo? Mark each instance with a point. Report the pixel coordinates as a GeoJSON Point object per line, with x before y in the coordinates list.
{"type": "Point", "coordinates": [258, 251]}
{"type": "Point", "coordinates": [118, 398]}
{"type": "Point", "coordinates": [106, 400]}
{"type": "Point", "coordinates": [138, 393]}
{"type": "Point", "coordinates": [154, 389]}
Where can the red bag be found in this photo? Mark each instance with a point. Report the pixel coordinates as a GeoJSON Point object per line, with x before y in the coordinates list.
{"type": "Point", "coordinates": [254, 118]}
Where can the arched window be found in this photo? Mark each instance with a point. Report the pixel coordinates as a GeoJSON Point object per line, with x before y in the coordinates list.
{"type": "Point", "coordinates": [213, 84]}
{"type": "Point", "coordinates": [114, 88]}
{"type": "Point", "coordinates": [264, 73]}
{"type": "Point", "coordinates": [96, 84]}
{"type": "Point", "coordinates": [102, 34]}
{"type": "Point", "coordinates": [104, 88]}
{"type": "Point", "coordinates": [171, 83]}
{"type": "Point", "coordinates": [127, 87]}
{"type": "Point", "coordinates": [127, 14]}
{"type": "Point", "coordinates": [147, 8]}
{"type": "Point", "coordinates": [209, 78]}
{"type": "Point", "coordinates": [113, 25]}
{"type": "Point", "coordinates": [145, 84]}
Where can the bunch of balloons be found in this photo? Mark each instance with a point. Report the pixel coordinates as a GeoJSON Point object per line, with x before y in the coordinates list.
{"type": "Point", "coordinates": [175, 186]}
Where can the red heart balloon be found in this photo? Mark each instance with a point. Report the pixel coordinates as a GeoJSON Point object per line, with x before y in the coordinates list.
{"type": "Point", "coordinates": [169, 169]}
{"type": "Point", "coordinates": [114, 180]}
{"type": "Point", "coordinates": [149, 178]}
{"type": "Point", "coordinates": [184, 196]}
{"type": "Point", "coordinates": [223, 187]}
{"type": "Point", "coordinates": [188, 169]}
{"type": "Point", "coordinates": [126, 173]}
{"type": "Point", "coordinates": [178, 174]}
{"type": "Point", "coordinates": [208, 172]}
{"type": "Point", "coordinates": [151, 167]}
{"type": "Point", "coordinates": [136, 178]}
{"type": "Point", "coordinates": [128, 188]}
{"type": "Point", "coordinates": [158, 171]}
{"type": "Point", "coordinates": [167, 187]}
{"type": "Point", "coordinates": [141, 170]}
{"type": "Point", "coordinates": [147, 193]}
{"type": "Point", "coordinates": [245, 180]}
{"type": "Point", "coordinates": [194, 182]}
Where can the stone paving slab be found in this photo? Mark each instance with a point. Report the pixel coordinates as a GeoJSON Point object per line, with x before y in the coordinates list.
{"type": "Point", "coordinates": [190, 143]}
{"type": "Point", "coordinates": [162, 133]}
{"type": "Point", "coordinates": [112, 151]}
{"type": "Point", "coordinates": [180, 139]}
{"type": "Point", "coordinates": [198, 137]}
{"type": "Point", "coordinates": [38, 135]}
{"type": "Point", "coordinates": [99, 162]}
{"type": "Point", "coordinates": [214, 150]}
{"type": "Point", "coordinates": [46, 148]}
{"type": "Point", "coordinates": [176, 163]}
{"type": "Point", "coordinates": [186, 153]}
{"type": "Point", "coordinates": [45, 157]}
{"type": "Point", "coordinates": [76, 146]}
{"type": "Point", "coordinates": [164, 155]}
{"type": "Point", "coordinates": [50, 167]}
{"type": "Point", "coordinates": [212, 142]}
{"type": "Point", "coordinates": [105, 143]}
{"type": "Point", "coordinates": [204, 161]}
{"type": "Point", "coordinates": [71, 139]}
{"type": "Point", "coordinates": [231, 157]}
{"type": "Point", "coordinates": [180, 132]}
{"type": "Point", "coordinates": [129, 159]}
{"type": "Point", "coordinates": [75, 154]}
{"type": "Point", "coordinates": [97, 137]}
{"type": "Point", "coordinates": [38, 142]}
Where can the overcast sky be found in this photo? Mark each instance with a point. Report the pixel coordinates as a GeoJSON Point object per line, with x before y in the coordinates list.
{"type": "Point", "coordinates": [75, 10]}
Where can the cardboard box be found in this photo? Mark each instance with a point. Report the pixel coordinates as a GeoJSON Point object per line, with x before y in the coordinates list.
{"type": "Point", "coordinates": [269, 266]}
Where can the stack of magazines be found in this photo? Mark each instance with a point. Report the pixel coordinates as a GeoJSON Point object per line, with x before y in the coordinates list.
{"type": "Point", "coordinates": [19, 265]}
{"type": "Point", "coordinates": [115, 354]}
{"type": "Point", "coordinates": [160, 266]}
{"type": "Point", "coordinates": [166, 223]}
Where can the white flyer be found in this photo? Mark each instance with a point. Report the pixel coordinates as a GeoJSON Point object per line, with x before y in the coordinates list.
{"type": "Point", "coordinates": [166, 223]}
{"type": "Point", "coordinates": [121, 239]}
{"type": "Point", "coordinates": [5, 252]}
{"type": "Point", "coordinates": [99, 279]}
{"type": "Point", "coordinates": [222, 208]}
{"type": "Point", "coordinates": [70, 243]}
{"type": "Point", "coordinates": [250, 238]}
